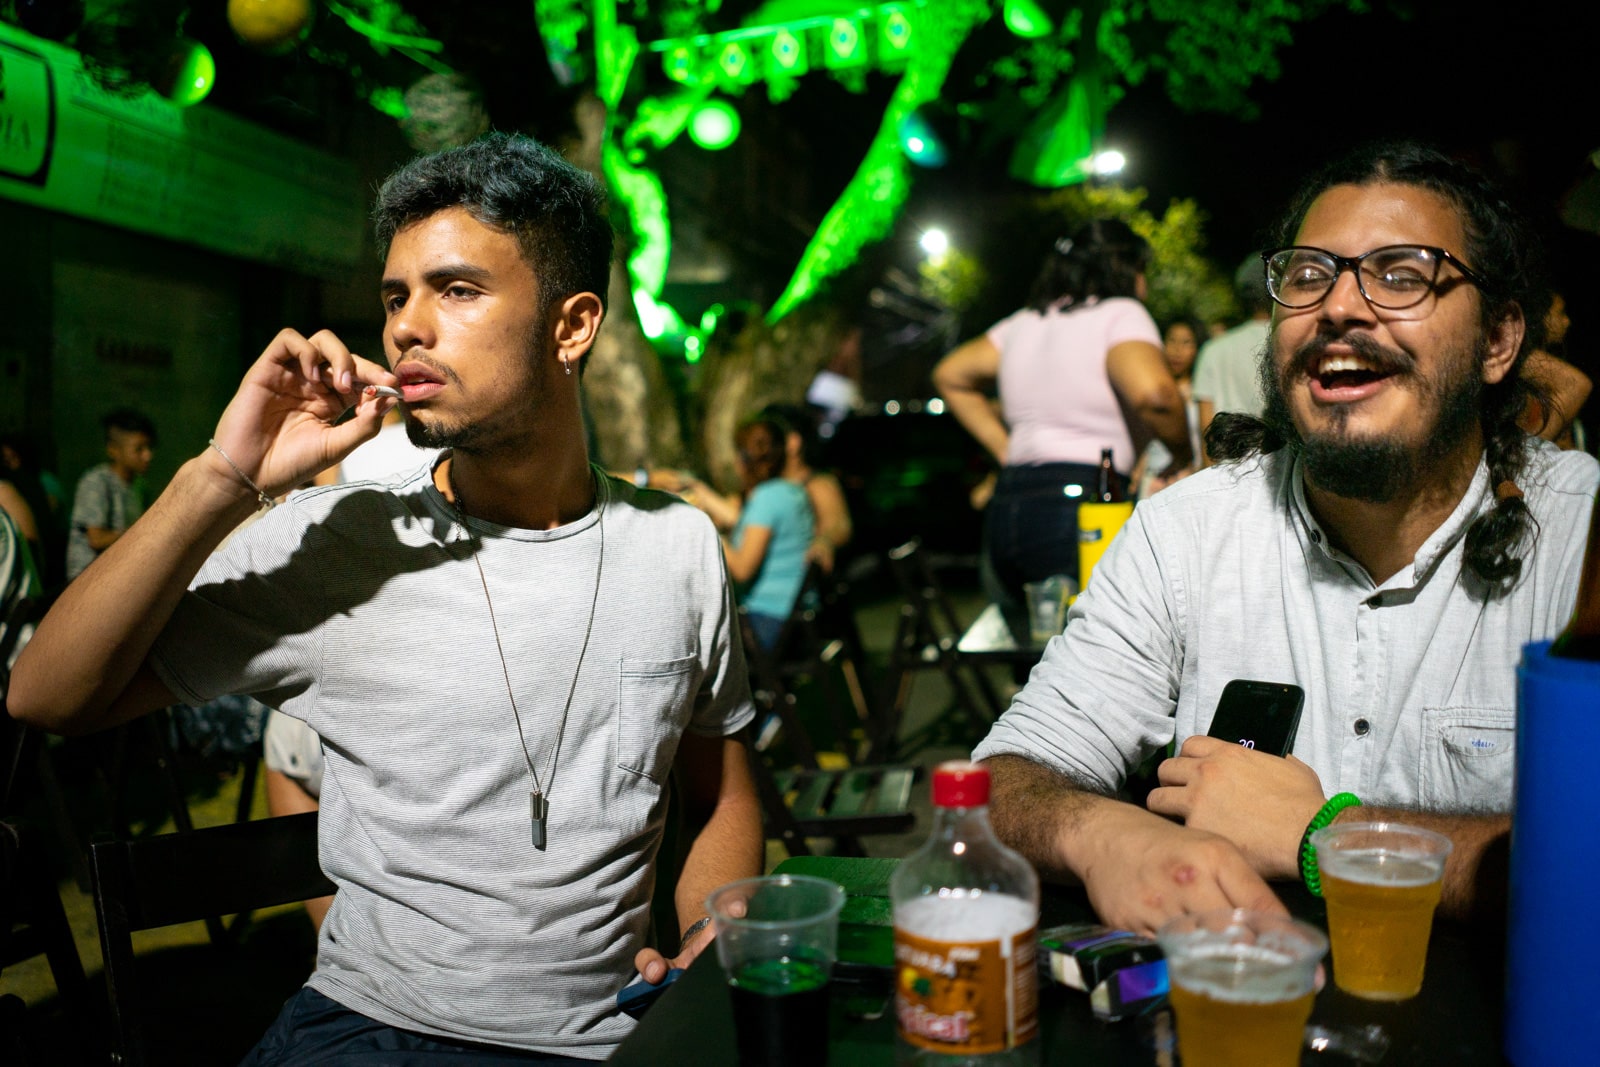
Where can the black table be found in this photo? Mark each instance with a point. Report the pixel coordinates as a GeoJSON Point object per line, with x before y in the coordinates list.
{"type": "Point", "coordinates": [992, 638]}
{"type": "Point", "coordinates": [1454, 1021]}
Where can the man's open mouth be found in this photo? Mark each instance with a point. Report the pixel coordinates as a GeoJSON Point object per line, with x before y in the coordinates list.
{"type": "Point", "coordinates": [1347, 372]}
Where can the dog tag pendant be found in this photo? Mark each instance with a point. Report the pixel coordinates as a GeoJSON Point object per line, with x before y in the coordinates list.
{"type": "Point", "coordinates": [540, 809]}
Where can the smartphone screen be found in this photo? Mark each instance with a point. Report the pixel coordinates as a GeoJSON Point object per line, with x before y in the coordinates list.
{"type": "Point", "coordinates": [1258, 715]}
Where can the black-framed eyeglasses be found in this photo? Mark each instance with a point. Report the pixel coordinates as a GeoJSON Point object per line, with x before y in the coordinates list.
{"type": "Point", "coordinates": [1392, 277]}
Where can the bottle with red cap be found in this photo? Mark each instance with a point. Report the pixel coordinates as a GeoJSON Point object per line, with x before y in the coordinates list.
{"type": "Point", "coordinates": [966, 911]}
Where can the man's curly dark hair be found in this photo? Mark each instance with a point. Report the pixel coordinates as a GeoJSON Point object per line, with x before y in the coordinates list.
{"type": "Point", "coordinates": [517, 185]}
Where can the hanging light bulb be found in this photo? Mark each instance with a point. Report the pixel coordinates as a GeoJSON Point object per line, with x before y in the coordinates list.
{"type": "Point", "coordinates": [714, 125]}
{"type": "Point", "coordinates": [920, 142]}
{"type": "Point", "coordinates": [1026, 19]}
{"type": "Point", "coordinates": [270, 26]}
{"type": "Point", "coordinates": [189, 73]}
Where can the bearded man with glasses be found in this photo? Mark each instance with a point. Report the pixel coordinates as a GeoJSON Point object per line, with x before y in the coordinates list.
{"type": "Point", "coordinates": [1385, 537]}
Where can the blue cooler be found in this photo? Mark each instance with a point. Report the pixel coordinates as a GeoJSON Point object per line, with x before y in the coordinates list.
{"type": "Point", "coordinates": [1553, 955]}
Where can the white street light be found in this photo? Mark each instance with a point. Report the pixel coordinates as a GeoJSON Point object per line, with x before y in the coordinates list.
{"type": "Point", "coordinates": [935, 242]}
{"type": "Point", "coordinates": [1108, 162]}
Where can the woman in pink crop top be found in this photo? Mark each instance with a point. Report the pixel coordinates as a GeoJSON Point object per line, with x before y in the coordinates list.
{"type": "Point", "coordinates": [1079, 369]}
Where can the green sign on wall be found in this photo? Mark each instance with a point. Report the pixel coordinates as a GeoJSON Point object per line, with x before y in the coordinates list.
{"type": "Point", "coordinates": [196, 175]}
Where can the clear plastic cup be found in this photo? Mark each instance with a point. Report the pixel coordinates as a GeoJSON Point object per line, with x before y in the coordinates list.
{"type": "Point", "coordinates": [777, 939]}
{"type": "Point", "coordinates": [1382, 883]}
{"type": "Point", "coordinates": [1047, 606]}
{"type": "Point", "coordinates": [1241, 985]}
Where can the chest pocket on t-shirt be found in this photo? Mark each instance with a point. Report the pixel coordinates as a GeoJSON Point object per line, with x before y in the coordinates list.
{"type": "Point", "coordinates": [653, 707]}
{"type": "Point", "coordinates": [1467, 759]}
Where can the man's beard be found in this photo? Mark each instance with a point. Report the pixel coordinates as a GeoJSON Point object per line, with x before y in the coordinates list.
{"type": "Point", "coordinates": [1377, 469]}
{"type": "Point", "coordinates": [475, 437]}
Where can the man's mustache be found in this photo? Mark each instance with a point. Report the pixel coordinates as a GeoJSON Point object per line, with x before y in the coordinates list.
{"type": "Point", "coordinates": [1381, 359]}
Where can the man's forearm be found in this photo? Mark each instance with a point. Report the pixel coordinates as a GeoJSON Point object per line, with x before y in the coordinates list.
{"type": "Point", "coordinates": [1475, 875]}
{"type": "Point", "coordinates": [1038, 812]}
{"type": "Point", "coordinates": [88, 648]}
{"type": "Point", "coordinates": [730, 846]}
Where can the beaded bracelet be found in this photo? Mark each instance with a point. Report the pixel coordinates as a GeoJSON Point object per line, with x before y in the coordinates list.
{"type": "Point", "coordinates": [1309, 871]}
{"type": "Point", "coordinates": [266, 501]}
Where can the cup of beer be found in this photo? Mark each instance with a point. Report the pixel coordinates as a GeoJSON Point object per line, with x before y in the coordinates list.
{"type": "Point", "coordinates": [1241, 985]}
{"type": "Point", "coordinates": [777, 939]}
{"type": "Point", "coordinates": [1382, 882]}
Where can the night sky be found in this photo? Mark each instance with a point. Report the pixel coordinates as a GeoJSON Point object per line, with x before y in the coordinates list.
{"type": "Point", "coordinates": [1514, 94]}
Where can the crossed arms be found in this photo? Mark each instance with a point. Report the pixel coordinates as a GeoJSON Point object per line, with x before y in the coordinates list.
{"type": "Point", "coordinates": [1212, 841]}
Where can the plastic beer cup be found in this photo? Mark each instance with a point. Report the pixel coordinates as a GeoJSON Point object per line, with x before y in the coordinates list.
{"type": "Point", "coordinates": [777, 938]}
{"type": "Point", "coordinates": [1047, 606]}
{"type": "Point", "coordinates": [1241, 985]}
{"type": "Point", "coordinates": [1382, 883]}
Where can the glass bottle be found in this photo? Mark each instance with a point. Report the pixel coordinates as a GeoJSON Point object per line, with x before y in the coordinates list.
{"type": "Point", "coordinates": [1107, 490]}
{"type": "Point", "coordinates": [966, 913]}
{"type": "Point", "coordinates": [1581, 638]}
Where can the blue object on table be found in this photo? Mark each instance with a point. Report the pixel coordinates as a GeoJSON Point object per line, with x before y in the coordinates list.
{"type": "Point", "coordinates": [636, 999]}
{"type": "Point", "coordinates": [1554, 927]}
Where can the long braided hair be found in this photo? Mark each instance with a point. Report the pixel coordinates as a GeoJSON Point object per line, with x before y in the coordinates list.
{"type": "Point", "coordinates": [1503, 246]}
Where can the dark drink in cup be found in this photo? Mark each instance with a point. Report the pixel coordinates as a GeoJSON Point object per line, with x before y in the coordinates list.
{"type": "Point", "coordinates": [780, 1012]}
{"type": "Point", "coordinates": [777, 938]}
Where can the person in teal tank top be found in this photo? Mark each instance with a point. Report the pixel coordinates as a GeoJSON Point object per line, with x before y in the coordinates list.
{"type": "Point", "coordinates": [766, 552]}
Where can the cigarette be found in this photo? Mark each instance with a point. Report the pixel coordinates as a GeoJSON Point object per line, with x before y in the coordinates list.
{"type": "Point", "coordinates": [385, 390]}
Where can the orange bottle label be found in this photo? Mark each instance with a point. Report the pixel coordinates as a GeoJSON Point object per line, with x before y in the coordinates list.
{"type": "Point", "coordinates": [966, 996]}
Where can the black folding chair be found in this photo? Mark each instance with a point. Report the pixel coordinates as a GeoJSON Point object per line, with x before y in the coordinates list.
{"type": "Point", "coordinates": [819, 645]}
{"type": "Point", "coordinates": [33, 921]}
{"type": "Point", "coordinates": [184, 877]}
{"type": "Point", "coordinates": [926, 637]}
{"type": "Point", "coordinates": [809, 800]}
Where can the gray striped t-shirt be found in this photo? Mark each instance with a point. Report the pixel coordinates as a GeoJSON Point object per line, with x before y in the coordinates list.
{"type": "Point", "coordinates": [358, 609]}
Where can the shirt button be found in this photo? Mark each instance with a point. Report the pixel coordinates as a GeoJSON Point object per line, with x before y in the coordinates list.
{"type": "Point", "coordinates": [1362, 727]}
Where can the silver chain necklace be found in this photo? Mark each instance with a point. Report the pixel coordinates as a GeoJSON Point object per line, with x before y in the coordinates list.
{"type": "Point", "coordinates": [539, 795]}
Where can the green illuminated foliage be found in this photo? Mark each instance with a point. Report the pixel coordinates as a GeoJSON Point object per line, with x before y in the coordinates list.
{"type": "Point", "coordinates": [1209, 53]}
{"type": "Point", "coordinates": [953, 279]}
{"type": "Point", "coordinates": [867, 208]}
{"type": "Point", "coordinates": [386, 24]}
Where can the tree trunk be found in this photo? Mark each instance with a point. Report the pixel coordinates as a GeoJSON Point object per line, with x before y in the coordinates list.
{"type": "Point", "coordinates": [629, 403]}
{"type": "Point", "coordinates": [757, 366]}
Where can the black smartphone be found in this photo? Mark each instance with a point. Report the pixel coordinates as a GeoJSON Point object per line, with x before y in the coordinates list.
{"type": "Point", "coordinates": [1259, 715]}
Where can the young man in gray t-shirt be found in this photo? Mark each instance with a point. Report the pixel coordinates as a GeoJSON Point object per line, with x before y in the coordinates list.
{"type": "Point", "coordinates": [506, 654]}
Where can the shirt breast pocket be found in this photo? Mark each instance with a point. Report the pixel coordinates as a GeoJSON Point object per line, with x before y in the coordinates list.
{"type": "Point", "coordinates": [653, 707]}
{"type": "Point", "coordinates": [1468, 755]}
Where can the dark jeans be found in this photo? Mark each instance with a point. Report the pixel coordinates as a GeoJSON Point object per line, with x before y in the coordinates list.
{"type": "Point", "coordinates": [1030, 527]}
{"type": "Point", "coordinates": [767, 629]}
{"type": "Point", "coordinates": [314, 1031]}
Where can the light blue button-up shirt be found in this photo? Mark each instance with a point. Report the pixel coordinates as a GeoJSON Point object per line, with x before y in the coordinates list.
{"type": "Point", "coordinates": [1410, 684]}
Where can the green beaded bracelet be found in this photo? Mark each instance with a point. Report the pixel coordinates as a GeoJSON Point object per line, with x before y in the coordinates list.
{"type": "Point", "coordinates": [1309, 871]}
